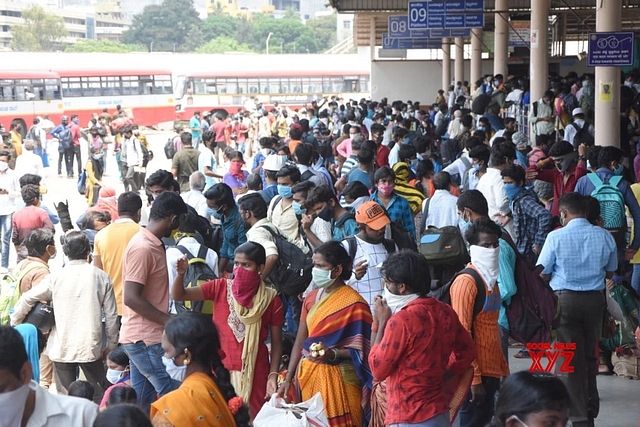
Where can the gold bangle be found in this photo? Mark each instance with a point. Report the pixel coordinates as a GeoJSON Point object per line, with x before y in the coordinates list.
{"type": "Point", "coordinates": [272, 373]}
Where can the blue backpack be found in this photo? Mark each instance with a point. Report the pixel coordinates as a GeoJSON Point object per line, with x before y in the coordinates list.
{"type": "Point", "coordinates": [612, 206]}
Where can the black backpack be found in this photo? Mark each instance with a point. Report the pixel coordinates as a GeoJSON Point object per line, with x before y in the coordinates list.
{"type": "Point", "coordinates": [198, 272]}
{"type": "Point", "coordinates": [292, 273]}
{"type": "Point", "coordinates": [450, 150]}
{"type": "Point", "coordinates": [442, 128]}
{"type": "Point", "coordinates": [443, 293]}
{"type": "Point", "coordinates": [480, 104]}
{"type": "Point", "coordinates": [145, 152]}
{"type": "Point", "coordinates": [389, 246]}
{"type": "Point", "coordinates": [402, 237]}
{"type": "Point", "coordinates": [211, 234]}
{"type": "Point", "coordinates": [583, 136]}
{"type": "Point", "coordinates": [169, 149]}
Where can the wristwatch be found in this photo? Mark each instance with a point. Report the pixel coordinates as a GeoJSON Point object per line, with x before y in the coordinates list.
{"type": "Point", "coordinates": [582, 158]}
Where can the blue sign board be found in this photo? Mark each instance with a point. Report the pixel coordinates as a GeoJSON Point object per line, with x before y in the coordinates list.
{"type": "Point", "coordinates": [399, 28]}
{"type": "Point", "coordinates": [431, 14]}
{"type": "Point", "coordinates": [610, 49]}
{"type": "Point", "coordinates": [397, 43]}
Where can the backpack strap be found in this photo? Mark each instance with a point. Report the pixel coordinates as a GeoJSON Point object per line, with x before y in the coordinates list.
{"type": "Point", "coordinates": [466, 161]}
{"type": "Point", "coordinates": [615, 180]}
{"type": "Point", "coordinates": [202, 252]}
{"type": "Point", "coordinates": [353, 246]}
{"type": "Point", "coordinates": [595, 180]}
{"type": "Point", "coordinates": [481, 294]}
{"type": "Point", "coordinates": [425, 215]}
{"type": "Point", "coordinates": [185, 251]}
{"type": "Point", "coordinates": [389, 245]}
{"type": "Point", "coordinates": [274, 203]}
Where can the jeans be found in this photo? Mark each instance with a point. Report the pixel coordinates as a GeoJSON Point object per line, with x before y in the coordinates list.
{"type": "Point", "coordinates": [149, 376]}
{"type": "Point", "coordinates": [67, 155]}
{"type": "Point", "coordinates": [65, 374]}
{"type": "Point", "coordinates": [480, 414]}
{"type": "Point", "coordinates": [130, 178]}
{"type": "Point", "coordinates": [441, 420]}
{"type": "Point", "coordinates": [119, 163]}
{"type": "Point", "coordinates": [293, 305]}
{"type": "Point", "coordinates": [635, 279]}
{"type": "Point", "coordinates": [5, 233]}
{"type": "Point", "coordinates": [78, 154]}
{"type": "Point", "coordinates": [195, 141]}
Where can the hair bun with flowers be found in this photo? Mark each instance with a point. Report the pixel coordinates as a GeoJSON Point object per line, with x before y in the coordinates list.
{"type": "Point", "coordinates": [235, 403]}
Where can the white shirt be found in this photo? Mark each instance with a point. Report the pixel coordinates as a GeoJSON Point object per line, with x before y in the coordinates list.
{"type": "Point", "coordinates": [9, 182]}
{"type": "Point", "coordinates": [443, 209]}
{"type": "Point", "coordinates": [29, 163]}
{"type": "Point", "coordinates": [197, 201]}
{"type": "Point", "coordinates": [393, 154]}
{"type": "Point", "coordinates": [81, 294]}
{"type": "Point", "coordinates": [370, 284]}
{"type": "Point", "coordinates": [492, 188]}
{"type": "Point", "coordinates": [459, 166]}
{"type": "Point", "coordinates": [55, 410]}
{"type": "Point", "coordinates": [570, 131]}
{"type": "Point", "coordinates": [498, 134]}
{"type": "Point", "coordinates": [132, 151]}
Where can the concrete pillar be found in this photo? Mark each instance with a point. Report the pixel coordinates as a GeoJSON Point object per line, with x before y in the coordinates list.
{"type": "Point", "coordinates": [476, 55]}
{"type": "Point", "coordinates": [539, 66]}
{"type": "Point", "coordinates": [459, 60]}
{"type": "Point", "coordinates": [501, 40]}
{"type": "Point", "coordinates": [446, 64]}
{"type": "Point", "coordinates": [607, 109]}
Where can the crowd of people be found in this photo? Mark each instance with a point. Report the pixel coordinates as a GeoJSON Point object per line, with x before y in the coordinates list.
{"type": "Point", "coordinates": [200, 291]}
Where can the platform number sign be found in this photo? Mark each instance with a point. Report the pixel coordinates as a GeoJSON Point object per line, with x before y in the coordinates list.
{"type": "Point", "coordinates": [418, 14]}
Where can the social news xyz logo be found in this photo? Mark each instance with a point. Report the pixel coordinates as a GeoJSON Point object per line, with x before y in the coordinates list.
{"type": "Point", "coordinates": [554, 353]}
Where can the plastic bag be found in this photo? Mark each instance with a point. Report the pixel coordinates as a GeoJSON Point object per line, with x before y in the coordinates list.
{"type": "Point", "coordinates": [277, 413]}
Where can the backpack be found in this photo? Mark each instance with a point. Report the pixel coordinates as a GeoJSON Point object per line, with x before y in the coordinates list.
{"type": "Point", "coordinates": [292, 273]}
{"type": "Point", "coordinates": [198, 272]}
{"type": "Point", "coordinates": [308, 174]}
{"type": "Point", "coordinates": [480, 104]}
{"type": "Point", "coordinates": [211, 234]}
{"type": "Point", "coordinates": [582, 136]}
{"type": "Point", "coordinates": [444, 246]}
{"type": "Point", "coordinates": [34, 135]}
{"type": "Point", "coordinates": [443, 293]}
{"type": "Point", "coordinates": [450, 150]}
{"type": "Point", "coordinates": [389, 246]}
{"type": "Point", "coordinates": [146, 154]}
{"type": "Point", "coordinates": [344, 218]}
{"type": "Point", "coordinates": [534, 311]}
{"type": "Point", "coordinates": [169, 149]}
{"type": "Point", "coordinates": [82, 182]}
{"type": "Point", "coordinates": [65, 140]}
{"type": "Point", "coordinates": [442, 128]}
{"type": "Point", "coordinates": [10, 290]}
{"type": "Point", "coordinates": [402, 237]}
{"type": "Point", "coordinates": [612, 206]}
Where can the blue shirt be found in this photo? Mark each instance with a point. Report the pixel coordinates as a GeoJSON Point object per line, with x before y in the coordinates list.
{"type": "Point", "coordinates": [194, 124]}
{"type": "Point", "coordinates": [398, 209]}
{"type": "Point", "coordinates": [586, 187]}
{"type": "Point", "coordinates": [270, 192]}
{"type": "Point", "coordinates": [506, 279]}
{"type": "Point", "coordinates": [358, 175]}
{"type": "Point", "coordinates": [256, 161]}
{"type": "Point", "coordinates": [233, 233]}
{"type": "Point", "coordinates": [578, 256]}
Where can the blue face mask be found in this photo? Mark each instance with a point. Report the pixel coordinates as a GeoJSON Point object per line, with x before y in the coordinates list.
{"type": "Point", "coordinates": [477, 167]}
{"type": "Point", "coordinates": [481, 128]}
{"type": "Point", "coordinates": [512, 190]}
{"type": "Point", "coordinates": [217, 214]}
{"type": "Point", "coordinates": [284, 191]}
{"type": "Point", "coordinates": [298, 209]}
{"type": "Point", "coordinates": [463, 225]}
{"type": "Point", "coordinates": [618, 170]}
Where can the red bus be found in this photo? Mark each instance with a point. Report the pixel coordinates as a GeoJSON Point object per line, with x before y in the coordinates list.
{"type": "Point", "coordinates": [25, 95]}
{"type": "Point", "coordinates": [147, 94]}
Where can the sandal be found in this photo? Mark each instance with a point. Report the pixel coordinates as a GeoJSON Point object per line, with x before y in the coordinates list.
{"type": "Point", "coordinates": [522, 354]}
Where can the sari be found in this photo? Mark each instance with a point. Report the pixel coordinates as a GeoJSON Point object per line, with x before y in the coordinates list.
{"type": "Point", "coordinates": [339, 319]}
{"type": "Point", "coordinates": [197, 402]}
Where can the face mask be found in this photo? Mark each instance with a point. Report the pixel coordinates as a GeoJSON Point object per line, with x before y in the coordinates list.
{"type": "Point", "coordinates": [12, 405]}
{"type": "Point", "coordinates": [481, 128]}
{"type": "Point", "coordinates": [397, 302]}
{"type": "Point", "coordinates": [385, 189]}
{"type": "Point", "coordinates": [566, 161]}
{"type": "Point", "coordinates": [297, 208]}
{"type": "Point", "coordinates": [97, 156]}
{"type": "Point", "coordinates": [414, 164]}
{"type": "Point", "coordinates": [628, 84]}
{"type": "Point", "coordinates": [217, 214]}
{"type": "Point", "coordinates": [265, 151]}
{"type": "Point", "coordinates": [4, 166]}
{"type": "Point", "coordinates": [477, 167]}
{"type": "Point", "coordinates": [52, 256]}
{"type": "Point", "coordinates": [486, 261]}
{"type": "Point", "coordinates": [113, 376]}
{"type": "Point", "coordinates": [618, 170]}
{"type": "Point", "coordinates": [512, 190]}
{"type": "Point", "coordinates": [244, 286]}
{"type": "Point", "coordinates": [284, 191]}
{"type": "Point", "coordinates": [322, 278]}
{"type": "Point", "coordinates": [177, 373]}
{"type": "Point", "coordinates": [235, 167]}
{"type": "Point", "coordinates": [325, 214]}
{"type": "Point", "coordinates": [464, 224]}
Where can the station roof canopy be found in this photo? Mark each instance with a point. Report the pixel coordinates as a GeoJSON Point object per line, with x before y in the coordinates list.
{"type": "Point", "coordinates": [577, 17]}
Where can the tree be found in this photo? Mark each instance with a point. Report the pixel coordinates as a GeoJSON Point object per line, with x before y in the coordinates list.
{"type": "Point", "coordinates": [285, 31]}
{"type": "Point", "coordinates": [223, 44]}
{"type": "Point", "coordinates": [324, 30]}
{"type": "Point", "coordinates": [174, 25]}
{"type": "Point", "coordinates": [41, 31]}
{"type": "Point", "coordinates": [217, 25]}
{"type": "Point", "coordinates": [104, 46]}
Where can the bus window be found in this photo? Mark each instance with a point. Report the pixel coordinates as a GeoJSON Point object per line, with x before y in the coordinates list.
{"type": "Point", "coordinates": [52, 89]}
{"type": "Point", "coordinates": [315, 85]}
{"type": "Point", "coordinates": [146, 85]}
{"type": "Point", "coordinates": [22, 87]}
{"type": "Point", "coordinates": [254, 85]}
{"type": "Point", "coordinates": [364, 84]}
{"type": "Point", "coordinates": [232, 86]}
{"type": "Point", "coordinates": [337, 85]}
{"type": "Point", "coordinates": [91, 86]}
{"type": "Point", "coordinates": [111, 86]}
{"type": "Point", "coordinates": [295, 84]}
{"type": "Point", "coordinates": [221, 86]}
{"type": "Point", "coordinates": [162, 84]}
{"type": "Point", "coordinates": [351, 85]}
{"type": "Point", "coordinates": [71, 87]}
{"type": "Point", "coordinates": [326, 84]}
{"type": "Point", "coordinates": [274, 86]}
{"type": "Point", "coordinates": [284, 85]}
{"type": "Point", "coordinates": [197, 87]}
{"type": "Point", "coordinates": [264, 86]}
{"type": "Point", "coordinates": [6, 90]}
{"type": "Point", "coordinates": [210, 87]}
{"type": "Point", "coordinates": [129, 85]}
{"type": "Point", "coordinates": [243, 86]}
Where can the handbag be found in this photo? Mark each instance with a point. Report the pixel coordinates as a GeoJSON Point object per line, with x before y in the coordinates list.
{"type": "Point", "coordinates": [276, 412]}
{"type": "Point", "coordinates": [41, 316]}
{"type": "Point", "coordinates": [82, 183]}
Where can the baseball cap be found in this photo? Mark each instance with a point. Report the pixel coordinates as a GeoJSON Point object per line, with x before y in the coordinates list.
{"type": "Point", "coordinates": [206, 114]}
{"type": "Point", "coordinates": [372, 215]}
{"type": "Point", "coordinates": [274, 162]}
{"type": "Point", "coordinates": [576, 111]}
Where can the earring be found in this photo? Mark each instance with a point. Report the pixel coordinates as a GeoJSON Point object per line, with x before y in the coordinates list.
{"type": "Point", "coordinates": [185, 362]}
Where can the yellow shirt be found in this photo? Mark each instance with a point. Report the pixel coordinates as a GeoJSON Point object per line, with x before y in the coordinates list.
{"type": "Point", "coordinates": [110, 244]}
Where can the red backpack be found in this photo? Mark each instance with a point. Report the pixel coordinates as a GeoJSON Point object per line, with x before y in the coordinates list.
{"type": "Point", "coordinates": [534, 312]}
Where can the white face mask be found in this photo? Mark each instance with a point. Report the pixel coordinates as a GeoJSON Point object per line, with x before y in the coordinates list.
{"type": "Point", "coordinates": [265, 151]}
{"type": "Point", "coordinates": [486, 261]}
{"type": "Point", "coordinates": [12, 406]}
{"type": "Point", "coordinates": [177, 373]}
{"type": "Point", "coordinates": [113, 375]}
{"type": "Point", "coordinates": [397, 302]}
{"type": "Point", "coordinates": [4, 166]}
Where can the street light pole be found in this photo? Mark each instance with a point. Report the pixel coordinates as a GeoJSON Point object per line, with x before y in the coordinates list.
{"type": "Point", "coordinates": [268, 37]}
{"type": "Point", "coordinates": [151, 47]}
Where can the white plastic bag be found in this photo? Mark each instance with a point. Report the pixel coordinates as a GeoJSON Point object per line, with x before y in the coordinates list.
{"type": "Point", "coordinates": [277, 413]}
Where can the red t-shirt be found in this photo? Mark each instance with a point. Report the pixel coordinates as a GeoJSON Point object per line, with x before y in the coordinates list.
{"type": "Point", "coordinates": [218, 128]}
{"type": "Point", "coordinates": [420, 343]}
{"type": "Point", "coordinates": [560, 187]}
{"type": "Point", "coordinates": [382, 158]}
{"type": "Point", "coordinates": [217, 291]}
